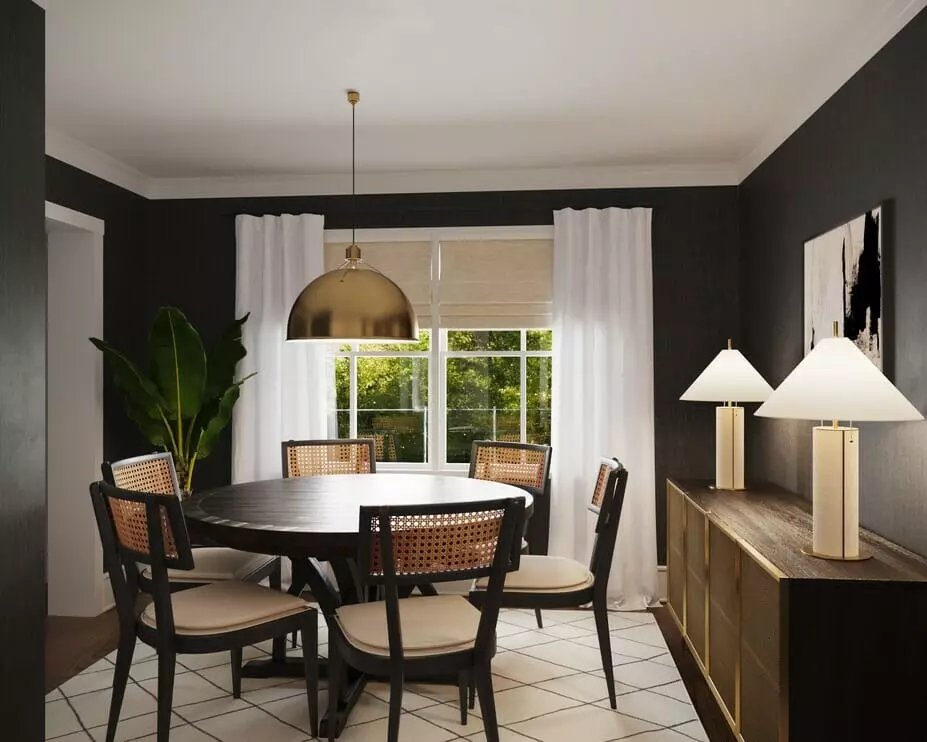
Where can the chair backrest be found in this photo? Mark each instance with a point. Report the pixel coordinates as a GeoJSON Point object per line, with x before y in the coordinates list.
{"type": "Point", "coordinates": [141, 527]}
{"type": "Point", "coordinates": [384, 444]}
{"type": "Point", "coordinates": [525, 465]}
{"type": "Point", "coordinates": [607, 501]}
{"type": "Point", "coordinates": [340, 456]}
{"type": "Point", "coordinates": [409, 545]}
{"type": "Point", "coordinates": [153, 473]}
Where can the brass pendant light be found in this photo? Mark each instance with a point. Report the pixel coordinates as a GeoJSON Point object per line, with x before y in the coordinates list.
{"type": "Point", "coordinates": [354, 301]}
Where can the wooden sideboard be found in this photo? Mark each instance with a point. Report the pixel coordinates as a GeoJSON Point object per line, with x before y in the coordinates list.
{"type": "Point", "coordinates": [795, 648]}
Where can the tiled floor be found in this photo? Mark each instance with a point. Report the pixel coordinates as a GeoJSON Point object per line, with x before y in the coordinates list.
{"type": "Point", "coordinates": [548, 686]}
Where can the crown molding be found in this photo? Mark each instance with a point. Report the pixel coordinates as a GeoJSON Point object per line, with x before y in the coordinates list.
{"type": "Point", "coordinates": [442, 181]}
{"type": "Point", "coordinates": [66, 148]}
{"type": "Point", "coordinates": [856, 49]}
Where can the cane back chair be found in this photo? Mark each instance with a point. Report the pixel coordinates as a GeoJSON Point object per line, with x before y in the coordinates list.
{"type": "Point", "coordinates": [148, 528]}
{"type": "Point", "coordinates": [524, 465]}
{"type": "Point", "coordinates": [339, 456]}
{"type": "Point", "coordinates": [427, 635]}
{"type": "Point", "coordinates": [556, 582]}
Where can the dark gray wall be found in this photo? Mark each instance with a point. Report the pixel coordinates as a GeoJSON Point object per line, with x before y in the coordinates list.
{"type": "Point", "coordinates": [23, 285]}
{"type": "Point", "coordinates": [183, 253]}
{"type": "Point", "coordinates": [866, 145]}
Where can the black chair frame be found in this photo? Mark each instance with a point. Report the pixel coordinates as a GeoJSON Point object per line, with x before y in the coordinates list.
{"type": "Point", "coordinates": [121, 563]}
{"type": "Point", "coordinates": [472, 664]}
{"type": "Point", "coordinates": [600, 565]}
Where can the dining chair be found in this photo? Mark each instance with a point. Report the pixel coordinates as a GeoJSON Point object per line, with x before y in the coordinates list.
{"type": "Point", "coordinates": [155, 474]}
{"type": "Point", "coordinates": [149, 528]}
{"type": "Point", "coordinates": [524, 465]}
{"type": "Point", "coordinates": [557, 582]}
{"type": "Point", "coordinates": [426, 636]}
{"type": "Point", "coordinates": [384, 442]}
{"type": "Point", "coordinates": [338, 456]}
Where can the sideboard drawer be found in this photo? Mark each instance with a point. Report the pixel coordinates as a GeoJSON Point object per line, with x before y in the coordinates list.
{"type": "Point", "coordinates": [676, 552]}
{"type": "Point", "coordinates": [724, 615]}
{"type": "Point", "coordinates": [696, 581]}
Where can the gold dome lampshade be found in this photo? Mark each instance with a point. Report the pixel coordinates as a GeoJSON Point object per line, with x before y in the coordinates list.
{"type": "Point", "coordinates": [355, 301]}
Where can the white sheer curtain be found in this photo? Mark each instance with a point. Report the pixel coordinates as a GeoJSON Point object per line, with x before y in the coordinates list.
{"type": "Point", "coordinates": [603, 388]}
{"type": "Point", "coordinates": [276, 256]}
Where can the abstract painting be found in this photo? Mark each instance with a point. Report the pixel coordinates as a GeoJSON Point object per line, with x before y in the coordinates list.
{"type": "Point", "coordinates": [843, 283]}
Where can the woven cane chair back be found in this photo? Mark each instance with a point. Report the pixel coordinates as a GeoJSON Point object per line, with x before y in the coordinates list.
{"type": "Point", "coordinates": [607, 503]}
{"type": "Point", "coordinates": [521, 464]}
{"type": "Point", "coordinates": [318, 458]}
{"type": "Point", "coordinates": [153, 473]}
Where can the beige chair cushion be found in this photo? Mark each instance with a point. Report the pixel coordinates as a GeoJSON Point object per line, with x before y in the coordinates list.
{"type": "Point", "coordinates": [215, 564]}
{"type": "Point", "coordinates": [545, 574]}
{"type": "Point", "coordinates": [434, 624]}
{"type": "Point", "coordinates": [222, 607]}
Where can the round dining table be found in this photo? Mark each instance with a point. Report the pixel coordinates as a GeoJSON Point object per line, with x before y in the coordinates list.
{"type": "Point", "coordinates": [313, 520]}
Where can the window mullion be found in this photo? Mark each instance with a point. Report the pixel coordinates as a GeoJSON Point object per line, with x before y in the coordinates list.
{"type": "Point", "coordinates": [523, 415]}
{"type": "Point", "coordinates": [353, 401]}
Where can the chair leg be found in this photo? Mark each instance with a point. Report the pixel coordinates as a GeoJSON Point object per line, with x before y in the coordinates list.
{"type": "Point", "coordinates": [472, 681]}
{"type": "Point", "coordinates": [336, 669]}
{"type": "Point", "coordinates": [537, 615]}
{"type": "Point", "coordinates": [120, 679]}
{"type": "Point", "coordinates": [605, 646]}
{"type": "Point", "coordinates": [463, 685]}
{"type": "Point", "coordinates": [166, 665]}
{"type": "Point", "coordinates": [487, 701]}
{"type": "Point", "coordinates": [395, 705]}
{"type": "Point", "coordinates": [236, 671]}
{"type": "Point", "coordinates": [310, 632]}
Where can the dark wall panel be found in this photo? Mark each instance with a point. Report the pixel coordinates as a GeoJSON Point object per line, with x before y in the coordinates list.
{"type": "Point", "coordinates": [866, 145]}
{"type": "Point", "coordinates": [183, 253]}
{"type": "Point", "coordinates": [23, 286]}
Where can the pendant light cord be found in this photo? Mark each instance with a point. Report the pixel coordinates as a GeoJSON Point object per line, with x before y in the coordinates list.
{"type": "Point", "coordinates": [353, 189]}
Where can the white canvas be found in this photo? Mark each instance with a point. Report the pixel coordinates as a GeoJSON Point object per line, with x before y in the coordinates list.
{"type": "Point", "coordinates": [843, 283]}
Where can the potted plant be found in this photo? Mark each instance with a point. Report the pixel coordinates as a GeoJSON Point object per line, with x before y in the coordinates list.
{"type": "Point", "coordinates": [185, 400]}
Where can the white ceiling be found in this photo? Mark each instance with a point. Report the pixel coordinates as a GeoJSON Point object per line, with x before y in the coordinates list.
{"type": "Point", "coordinates": [206, 89]}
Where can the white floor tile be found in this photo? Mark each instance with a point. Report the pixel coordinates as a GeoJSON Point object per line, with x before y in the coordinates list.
{"type": "Point", "coordinates": [103, 664]}
{"type": "Point", "coordinates": [250, 725]}
{"type": "Point", "coordinates": [674, 690]}
{"type": "Point", "coordinates": [663, 711]}
{"type": "Point", "coordinates": [620, 645]}
{"type": "Point", "coordinates": [645, 674]}
{"type": "Point", "coordinates": [131, 729]}
{"type": "Point", "coordinates": [520, 704]}
{"type": "Point", "coordinates": [586, 723]}
{"type": "Point", "coordinates": [505, 735]}
{"type": "Point", "coordinates": [60, 719]}
{"type": "Point", "coordinates": [222, 676]}
{"type": "Point", "coordinates": [693, 729]}
{"type": "Point", "coordinates": [564, 616]}
{"type": "Point", "coordinates": [214, 707]}
{"type": "Point", "coordinates": [367, 708]}
{"type": "Point", "coordinates": [293, 710]}
{"type": "Point", "coordinates": [411, 729]}
{"type": "Point", "coordinates": [142, 652]}
{"type": "Point", "coordinates": [55, 695]}
{"type": "Point", "coordinates": [615, 621]}
{"type": "Point", "coordinates": [525, 669]}
{"type": "Point", "coordinates": [447, 716]}
{"type": "Point", "coordinates": [524, 620]}
{"type": "Point", "coordinates": [524, 639]}
{"type": "Point", "coordinates": [661, 735]}
{"type": "Point", "coordinates": [569, 630]}
{"type": "Point", "coordinates": [641, 617]}
{"type": "Point", "coordinates": [572, 655]}
{"type": "Point", "coordinates": [507, 629]}
{"type": "Point", "coordinates": [93, 708]}
{"type": "Point", "coordinates": [75, 737]}
{"type": "Point", "coordinates": [87, 682]}
{"type": "Point", "coordinates": [650, 634]}
{"type": "Point", "coordinates": [202, 661]}
{"type": "Point", "coordinates": [147, 670]}
{"type": "Point", "coordinates": [583, 687]}
{"type": "Point", "coordinates": [664, 659]}
{"type": "Point", "coordinates": [260, 696]}
{"type": "Point", "coordinates": [189, 688]}
{"type": "Point", "coordinates": [182, 734]}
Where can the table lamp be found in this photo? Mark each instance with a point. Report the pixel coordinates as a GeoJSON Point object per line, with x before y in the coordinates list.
{"type": "Point", "coordinates": [835, 381]}
{"type": "Point", "coordinates": [729, 377]}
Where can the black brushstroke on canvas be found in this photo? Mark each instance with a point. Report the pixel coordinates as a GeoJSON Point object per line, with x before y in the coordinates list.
{"type": "Point", "coordinates": [864, 304]}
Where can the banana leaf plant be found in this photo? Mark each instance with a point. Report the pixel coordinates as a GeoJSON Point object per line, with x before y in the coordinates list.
{"type": "Point", "coordinates": [185, 399]}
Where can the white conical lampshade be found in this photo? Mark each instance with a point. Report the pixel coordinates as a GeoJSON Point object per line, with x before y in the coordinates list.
{"type": "Point", "coordinates": [728, 378]}
{"type": "Point", "coordinates": [836, 381]}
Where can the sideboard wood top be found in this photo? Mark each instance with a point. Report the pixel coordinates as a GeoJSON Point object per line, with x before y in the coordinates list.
{"type": "Point", "coordinates": [776, 523]}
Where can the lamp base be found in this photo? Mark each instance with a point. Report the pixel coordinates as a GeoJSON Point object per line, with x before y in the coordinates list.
{"type": "Point", "coordinates": [864, 554]}
{"type": "Point", "coordinates": [835, 492]}
{"type": "Point", "coordinates": [729, 448]}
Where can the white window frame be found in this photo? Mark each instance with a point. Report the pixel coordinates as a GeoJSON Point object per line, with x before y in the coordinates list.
{"type": "Point", "coordinates": [436, 436]}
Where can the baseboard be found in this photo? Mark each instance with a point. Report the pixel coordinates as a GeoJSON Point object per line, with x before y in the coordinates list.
{"type": "Point", "coordinates": [661, 583]}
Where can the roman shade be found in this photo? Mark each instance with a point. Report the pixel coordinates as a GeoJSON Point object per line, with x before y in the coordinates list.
{"type": "Point", "coordinates": [487, 284]}
{"type": "Point", "coordinates": [407, 264]}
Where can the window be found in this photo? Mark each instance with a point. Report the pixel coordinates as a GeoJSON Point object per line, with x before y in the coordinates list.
{"type": "Point", "coordinates": [482, 367]}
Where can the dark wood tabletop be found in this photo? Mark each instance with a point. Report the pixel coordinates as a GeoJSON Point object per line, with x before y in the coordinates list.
{"type": "Point", "coordinates": [318, 516]}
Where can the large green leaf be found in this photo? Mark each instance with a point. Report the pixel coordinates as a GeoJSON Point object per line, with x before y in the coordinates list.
{"type": "Point", "coordinates": [223, 358]}
{"type": "Point", "coordinates": [141, 393]}
{"type": "Point", "coordinates": [154, 429]}
{"type": "Point", "coordinates": [217, 423]}
{"type": "Point", "coordinates": [178, 363]}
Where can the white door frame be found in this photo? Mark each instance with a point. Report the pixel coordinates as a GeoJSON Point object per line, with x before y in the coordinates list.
{"type": "Point", "coordinates": [77, 585]}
